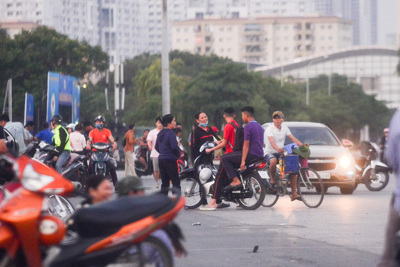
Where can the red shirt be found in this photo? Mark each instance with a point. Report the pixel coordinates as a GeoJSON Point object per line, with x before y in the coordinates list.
{"type": "Point", "coordinates": [229, 135]}
{"type": "Point", "coordinates": [100, 136]}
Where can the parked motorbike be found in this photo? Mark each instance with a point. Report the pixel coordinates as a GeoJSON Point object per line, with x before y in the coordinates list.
{"type": "Point", "coordinates": [139, 168]}
{"type": "Point", "coordinates": [199, 181]}
{"type": "Point", "coordinates": [74, 169]}
{"type": "Point", "coordinates": [182, 160]}
{"type": "Point", "coordinates": [370, 170]}
{"type": "Point", "coordinates": [106, 232]}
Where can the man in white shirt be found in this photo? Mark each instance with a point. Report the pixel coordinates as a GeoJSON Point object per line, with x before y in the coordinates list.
{"type": "Point", "coordinates": [274, 139]}
{"type": "Point", "coordinates": [151, 143]}
{"type": "Point", "coordinates": [77, 139]}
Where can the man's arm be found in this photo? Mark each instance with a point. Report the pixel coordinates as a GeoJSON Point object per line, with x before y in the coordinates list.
{"type": "Point", "coordinates": [114, 144]}
{"type": "Point", "coordinates": [245, 151]}
{"type": "Point", "coordinates": [3, 146]}
{"type": "Point", "coordinates": [272, 141]}
{"type": "Point", "coordinates": [295, 140]}
{"type": "Point", "coordinates": [222, 144]}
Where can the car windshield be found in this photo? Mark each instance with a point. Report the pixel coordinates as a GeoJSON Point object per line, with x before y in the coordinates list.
{"type": "Point", "coordinates": [313, 136]}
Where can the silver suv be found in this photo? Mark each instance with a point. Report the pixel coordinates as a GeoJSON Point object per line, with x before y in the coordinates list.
{"type": "Point", "coordinates": [328, 157]}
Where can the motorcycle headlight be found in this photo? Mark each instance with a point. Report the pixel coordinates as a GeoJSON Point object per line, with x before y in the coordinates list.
{"type": "Point", "coordinates": [345, 162]}
{"type": "Point", "coordinates": [33, 180]}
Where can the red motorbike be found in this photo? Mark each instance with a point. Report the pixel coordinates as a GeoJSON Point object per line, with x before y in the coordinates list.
{"type": "Point", "coordinates": [112, 232]}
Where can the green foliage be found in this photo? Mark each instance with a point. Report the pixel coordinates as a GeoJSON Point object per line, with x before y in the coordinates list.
{"type": "Point", "coordinates": [29, 57]}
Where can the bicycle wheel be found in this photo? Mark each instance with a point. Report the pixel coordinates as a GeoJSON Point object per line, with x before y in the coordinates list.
{"type": "Point", "coordinates": [257, 187]}
{"type": "Point", "coordinates": [60, 207]}
{"type": "Point", "coordinates": [192, 190]}
{"type": "Point", "coordinates": [310, 187]}
{"type": "Point", "coordinates": [271, 196]}
{"type": "Point", "coordinates": [151, 252]}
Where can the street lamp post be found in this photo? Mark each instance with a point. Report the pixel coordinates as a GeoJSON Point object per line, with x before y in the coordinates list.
{"type": "Point", "coordinates": [308, 77]}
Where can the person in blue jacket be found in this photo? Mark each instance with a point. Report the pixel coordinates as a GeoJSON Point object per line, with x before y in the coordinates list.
{"type": "Point", "coordinates": [167, 146]}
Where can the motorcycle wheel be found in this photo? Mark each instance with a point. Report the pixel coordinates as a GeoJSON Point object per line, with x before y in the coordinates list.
{"type": "Point", "coordinates": [256, 185]}
{"type": "Point", "coordinates": [151, 252]}
{"type": "Point", "coordinates": [60, 207]}
{"type": "Point", "coordinates": [376, 183]}
{"type": "Point", "coordinates": [192, 190]}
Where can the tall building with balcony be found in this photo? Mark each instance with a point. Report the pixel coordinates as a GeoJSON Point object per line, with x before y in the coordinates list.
{"type": "Point", "coordinates": [263, 40]}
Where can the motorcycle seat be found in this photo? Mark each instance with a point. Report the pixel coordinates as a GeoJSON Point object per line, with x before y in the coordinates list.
{"type": "Point", "coordinates": [256, 160]}
{"type": "Point", "coordinates": [107, 218]}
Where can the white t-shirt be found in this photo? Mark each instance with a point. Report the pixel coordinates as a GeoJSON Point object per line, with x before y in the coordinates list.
{"type": "Point", "coordinates": [152, 136]}
{"type": "Point", "coordinates": [279, 138]}
{"type": "Point", "coordinates": [17, 130]}
{"type": "Point", "coordinates": [78, 141]}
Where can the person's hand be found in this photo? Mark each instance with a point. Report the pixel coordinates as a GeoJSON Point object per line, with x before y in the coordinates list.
{"type": "Point", "coordinates": [280, 150]}
{"type": "Point", "coordinates": [55, 158]}
{"type": "Point", "coordinates": [88, 148]}
{"type": "Point", "coordinates": [243, 165]}
{"type": "Point", "coordinates": [3, 146]}
{"type": "Point", "coordinates": [208, 150]}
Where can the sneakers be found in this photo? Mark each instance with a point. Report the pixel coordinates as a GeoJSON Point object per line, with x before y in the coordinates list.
{"type": "Point", "coordinates": [206, 207]}
{"type": "Point", "coordinates": [157, 185]}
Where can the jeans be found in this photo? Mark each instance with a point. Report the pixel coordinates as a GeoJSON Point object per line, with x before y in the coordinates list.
{"type": "Point", "coordinates": [62, 158]}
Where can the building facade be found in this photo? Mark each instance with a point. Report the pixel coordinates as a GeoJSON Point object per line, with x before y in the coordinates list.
{"type": "Point", "coordinates": [264, 40]}
{"type": "Point", "coordinates": [374, 68]}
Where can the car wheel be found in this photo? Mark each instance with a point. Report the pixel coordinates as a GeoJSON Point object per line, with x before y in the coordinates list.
{"type": "Point", "coordinates": [347, 190]}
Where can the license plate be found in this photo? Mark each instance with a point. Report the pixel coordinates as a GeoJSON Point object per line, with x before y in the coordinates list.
{"type": "Point", "coordinates": [323, 175]}
{"type": "Point", "coordinates": [263, 174]}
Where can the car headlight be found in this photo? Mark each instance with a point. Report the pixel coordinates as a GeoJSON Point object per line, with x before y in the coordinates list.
{"type": "Point", "coordinates": [345, 162]}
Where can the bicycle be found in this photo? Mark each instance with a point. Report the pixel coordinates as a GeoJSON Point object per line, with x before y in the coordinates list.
{"type": "Point", "coordinates": [309, 184]}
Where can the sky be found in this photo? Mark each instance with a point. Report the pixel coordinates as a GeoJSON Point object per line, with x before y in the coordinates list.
{"type": "Point", "coordinates": [387, 19]}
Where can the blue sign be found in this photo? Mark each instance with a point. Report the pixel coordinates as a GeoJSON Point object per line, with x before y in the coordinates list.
{"type": "Point", "coordinates": [65, 95]}
{"type": "Point", "coordinates": [76, 100]}
{"type": "Point", "coordinates": [29, 108]}
{"type": "Point", "coordinates": [52, 94]}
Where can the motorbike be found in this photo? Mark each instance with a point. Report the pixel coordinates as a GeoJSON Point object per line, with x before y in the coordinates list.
{"type": "Point", "coordinates": [139, 168]}
{"type": "Point", "coordinates": [112, 232]}
{"type": "Point", "coordinates": [74, 169]}
{"type": "Point", "coordinates": [101, 159]}
{"type": "Point", "coordinates": [182, 160]}
{"type": "Point", "coordinates": [370, 170]}
{"type": "Point", "coordinates": [199, 181]}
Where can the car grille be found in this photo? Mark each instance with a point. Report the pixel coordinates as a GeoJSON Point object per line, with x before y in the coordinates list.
{"type": "Point", "coordinates": [322, 166]}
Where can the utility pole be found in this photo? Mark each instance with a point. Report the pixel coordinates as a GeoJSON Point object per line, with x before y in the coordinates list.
{"type": "Point", "coordinates": [166, 105]}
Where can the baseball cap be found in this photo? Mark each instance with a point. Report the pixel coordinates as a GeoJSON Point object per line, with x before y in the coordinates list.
{"type": "Point", "coordinates": [129, 183]}
{"type": "Point", "coordinates": [279, 113]}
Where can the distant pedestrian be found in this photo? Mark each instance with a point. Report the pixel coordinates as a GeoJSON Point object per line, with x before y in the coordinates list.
{"type": "Point", "coordinates": [168, 148]}
{"type": "Point", "coordinates": [151, 143]}
{"type": "Point", "coordinates": [45, 134]}
{"type": "Point", "coordinates": [129, 150]}
{"type": "Point", "coordinates": [87, 125]}
{"type": "Point", "coordinates": [78, 141]}
{"type": "Point", "coordinates": [382, 143]}
{"type": "Point", "coordinates": [28, 128]}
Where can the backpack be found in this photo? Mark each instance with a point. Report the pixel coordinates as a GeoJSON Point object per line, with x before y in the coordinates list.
{"type": "Point", "coordinates": [239, 137]}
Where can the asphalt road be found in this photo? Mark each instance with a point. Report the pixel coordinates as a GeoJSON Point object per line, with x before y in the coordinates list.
{"type": "Point", "coordinates": [346, 230]}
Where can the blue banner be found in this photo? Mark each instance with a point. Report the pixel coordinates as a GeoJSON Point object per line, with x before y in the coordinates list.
{"type": "Point", "coordinates": [65, 95]}
{"type": "Point", "coordinates": [29, 108]}
{"type": "Point", "coordinates": [52, 94]}
{"type": "Point", "coordinates": [76, 100]}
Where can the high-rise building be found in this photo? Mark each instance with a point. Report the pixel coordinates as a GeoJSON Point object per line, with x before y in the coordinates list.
{"type": "Point", "coordinates": [263, 40]}
{"type": "Point", "coordinates": [363, 14]}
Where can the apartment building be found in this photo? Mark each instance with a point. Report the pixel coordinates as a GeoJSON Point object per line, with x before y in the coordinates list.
{"type": "Point", "coordinates": [263, 40]}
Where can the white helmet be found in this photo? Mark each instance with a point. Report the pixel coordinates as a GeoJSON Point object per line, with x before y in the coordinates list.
{"type": "Point", "coordinates": [205, 174]}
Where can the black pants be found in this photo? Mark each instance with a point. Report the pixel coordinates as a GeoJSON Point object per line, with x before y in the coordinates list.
{"type": "Point", "coordinates": [231, 162]}
{"type": "Point", "coordinates": [221, 181]}
{"type": "Point", "coordinates": [169, 172]}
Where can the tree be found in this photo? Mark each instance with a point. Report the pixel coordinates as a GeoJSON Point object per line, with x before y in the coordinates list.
{"type": "Point", "coordinates": [33, 54]}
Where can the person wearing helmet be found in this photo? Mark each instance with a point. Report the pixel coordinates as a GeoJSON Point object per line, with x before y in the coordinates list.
{"type": "Point", "coordinates": [60, 141]}
{"type": "Point", "coordinates": [102, 135]}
